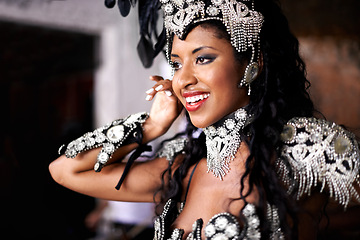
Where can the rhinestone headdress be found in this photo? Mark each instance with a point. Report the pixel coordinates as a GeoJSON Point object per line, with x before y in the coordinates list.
{"type": "Point", "coordinates": [242, 24]}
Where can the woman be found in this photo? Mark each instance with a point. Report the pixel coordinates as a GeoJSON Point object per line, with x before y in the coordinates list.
{"type": "Point", "coordinates": [239, 77]}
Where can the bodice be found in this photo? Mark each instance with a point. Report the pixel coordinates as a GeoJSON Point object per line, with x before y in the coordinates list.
{"type": "Point", "coordinates": [223, 225]}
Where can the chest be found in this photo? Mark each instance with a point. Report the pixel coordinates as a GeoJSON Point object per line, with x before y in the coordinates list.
{"type": "Point", "coordinates": [205, 196]}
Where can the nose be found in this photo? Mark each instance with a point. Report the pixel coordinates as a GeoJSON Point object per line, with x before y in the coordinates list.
{"type": "Point", "coordinates": [185, 76]}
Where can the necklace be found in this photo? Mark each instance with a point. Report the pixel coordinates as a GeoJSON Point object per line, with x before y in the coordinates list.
{"type": "Point", "coordinates": [223, 139]}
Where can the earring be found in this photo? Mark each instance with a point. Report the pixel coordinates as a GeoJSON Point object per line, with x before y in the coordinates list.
{"type": "Point", "coordinates": [250, 74]}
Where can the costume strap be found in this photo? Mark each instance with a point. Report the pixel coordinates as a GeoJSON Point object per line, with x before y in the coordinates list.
{"type": "Point", "coordinates": [191, 175]}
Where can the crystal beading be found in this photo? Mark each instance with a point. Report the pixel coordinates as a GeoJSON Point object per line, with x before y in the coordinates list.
{"type": "Point", "coordinates": [223, 140]}
{"type": "Point", "coordinates": [171, 148]}
{"type": "Point", "coordinates": [109, 137]}
{"type": "Point", "coordinates": [242, 24]}
{"type": "Point", "coordinates": [319, 152]}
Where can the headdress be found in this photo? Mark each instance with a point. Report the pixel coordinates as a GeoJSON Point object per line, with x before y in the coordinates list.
{"type": "Point", "coordinates": [242, 24]}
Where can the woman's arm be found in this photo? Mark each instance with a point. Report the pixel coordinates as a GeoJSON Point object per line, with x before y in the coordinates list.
{"type": "Point", "coordinates": [143, 179]}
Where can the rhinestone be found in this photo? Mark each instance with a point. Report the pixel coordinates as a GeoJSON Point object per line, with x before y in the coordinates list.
{"type": "Point", "coordinates": [288, 133]}
{"type": "Point", "coordinates": [71, 145]}
{"type": "Point", "coordinates": [222, 131]}
{"type": "Point", "coordinates": [212, 130]}
{"type": "Point", "coordinates": [316, 137]}
{"type": "Point", "coordinates": [89, 141]}
{"type": "Point", "coordinates": [115, 133]}
{"type": "Point", "coordinates": [80, 146]}
{"type": "Point", "coordinates": [240, 114]}
{"type": "Point", "coordinates": [175, 234]}
{"type": "Point", "coordinates": [100, 137]}
{"type": "Point", "coordinates": [249, 210]}
{"type": "Point", "coordinates": [299, 151]}
{"type": "Point", "coordinates": [230, 124]}
{"type": "Point", "coordinates": [220, 236]}
{"type": "Point", "coordinates": [301, 122]}
{"type": "Point", "coordinates": [157, 224]}
{"type": "Point", "coordinates": [179, 3]}
{"type": "Point", "coordinates": [212, 11]}
{"type": "Point", "coordinates": [302, 137]}
{"type": "Point", "coordinates": [103, 157]}
{"type": "Point", "coordinates": [220, 223]}
{"type": "Point", "coordinates": [311, 127]}
{"type": "Point", "coordinates": [168, 8]}
{"type": "Point", "coordinates": [342, 144]}
{"type": "Point", "coordinates": [254, 221]}
{"type": "Point", "coordinates": [210, 230]}
{"type": "Point", "coordinates": [71, 152]}
{"type": "Point", "coordinates": [217, 2]}
{"type": "Point", "coordinates": [109, 148]}
{"type": "Point", "coordinates": [96, 166]}
{"type": "Point", "coordinates": [231, 230]}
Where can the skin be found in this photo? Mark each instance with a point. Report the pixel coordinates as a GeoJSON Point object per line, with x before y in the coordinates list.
{"type": "Point", "coordinates": [204, 64]}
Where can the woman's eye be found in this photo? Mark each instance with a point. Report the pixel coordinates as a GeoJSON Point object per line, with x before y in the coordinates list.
{"type": "Point", "coordinates": [176, 65]}
{"type": "Point", "coordinates": [204, 60]}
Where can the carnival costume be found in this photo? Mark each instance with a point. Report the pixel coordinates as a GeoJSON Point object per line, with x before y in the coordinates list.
{"type": "Point", "coordinates": [314, 152]}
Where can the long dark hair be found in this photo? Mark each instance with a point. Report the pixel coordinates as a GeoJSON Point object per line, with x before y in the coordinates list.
{"type": "Point", "coordinates": [279, 94]}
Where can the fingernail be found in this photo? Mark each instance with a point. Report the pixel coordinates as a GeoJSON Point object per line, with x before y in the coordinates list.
{"type": "Point", "coordinates": [159, 87]}
{"type": "Point", "coordinates": [168, 93]}
{"type": "Point", "coordinates": [149, 91]}
{"type": "Point", "coordinates": [148, 97]}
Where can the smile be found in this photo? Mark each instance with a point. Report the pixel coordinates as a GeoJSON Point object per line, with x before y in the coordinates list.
{"type": "Point", "coordinates": [194, 99]}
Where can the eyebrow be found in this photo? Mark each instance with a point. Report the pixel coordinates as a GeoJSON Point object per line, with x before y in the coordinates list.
{"type": "Point", "coordinates": [196, 50]}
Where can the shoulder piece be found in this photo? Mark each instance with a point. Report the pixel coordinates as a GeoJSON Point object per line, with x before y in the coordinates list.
{"type": "Point", "coordinates": [172, 148]}
{"type": "Point", "coordinates": [315, 152]}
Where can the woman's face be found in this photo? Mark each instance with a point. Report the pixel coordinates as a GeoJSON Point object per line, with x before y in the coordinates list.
{"type": "Point", "coordinates": [206, 76]}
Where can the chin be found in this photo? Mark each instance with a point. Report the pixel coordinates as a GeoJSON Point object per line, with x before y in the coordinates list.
{"type": "Point", "coordinates": [200, 122]}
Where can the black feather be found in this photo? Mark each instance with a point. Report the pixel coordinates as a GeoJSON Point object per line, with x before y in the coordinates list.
{"type": "Point", "coordinates": [110, 3]}
{"type": "Point", "coordinates": [124, 7]}
{"type": "Point", "coordinates": [145, 51]}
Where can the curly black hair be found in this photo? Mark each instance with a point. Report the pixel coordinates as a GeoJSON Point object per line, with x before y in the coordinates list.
{"type": "Point", "coordinates": [278, 94]}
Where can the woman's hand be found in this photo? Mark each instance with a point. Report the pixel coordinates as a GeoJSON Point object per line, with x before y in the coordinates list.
{"type": "Point", "coordinates": [165, 109]}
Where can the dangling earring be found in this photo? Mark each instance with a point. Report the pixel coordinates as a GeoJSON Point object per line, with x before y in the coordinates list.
{"type": "Point", "coordinates": [250, 74]}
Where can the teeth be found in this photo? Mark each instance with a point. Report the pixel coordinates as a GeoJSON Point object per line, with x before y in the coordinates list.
{"type": "Point", "coordinates": [197, 98]}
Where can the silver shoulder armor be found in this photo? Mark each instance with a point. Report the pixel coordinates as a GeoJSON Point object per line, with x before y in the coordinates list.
{"type": "Point", "coordinates": [172, 148]}
{"type": "Point", "coordinates": [319, 153]}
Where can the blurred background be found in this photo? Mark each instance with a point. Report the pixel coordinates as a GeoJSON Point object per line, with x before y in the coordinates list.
{"type": "Point", "coordinates": [67, 66]}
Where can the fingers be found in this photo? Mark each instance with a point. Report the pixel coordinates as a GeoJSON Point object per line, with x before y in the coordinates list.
{"type": "Point", "coordinates": [156, 78]}
{"type": "Point", "coordinates": [160, 86]}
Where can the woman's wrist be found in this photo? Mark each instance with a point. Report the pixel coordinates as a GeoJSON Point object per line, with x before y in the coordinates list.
{"type": "Point", "coordinates": [152, 130]}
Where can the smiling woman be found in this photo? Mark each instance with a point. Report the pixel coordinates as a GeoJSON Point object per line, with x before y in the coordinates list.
{"type": "Point", "coordinates": [206, 76]}
{"type": "Point", "coordinates": [252, 155]}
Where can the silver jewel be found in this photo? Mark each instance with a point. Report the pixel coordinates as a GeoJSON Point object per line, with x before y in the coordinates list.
{"type": "Point", "coordinates": [109, 137]}
{"type": "Point", "coordinates": [319, 153]}
{"type": "Point", "coordinates": [223, 141]}
{"type": "Point", "coordinates": [222, 226]}
{"type": "Point", "coordinates": [242, 24]}
{"type": "Point", "coordinates": [173, 147]}
{"type": "Point", "coordinates": [115, 133]}
{"type": "Point", "coordinates": [250, 74]}
{"type": "Point", "coordinates": [272, 216]}
{"type": "Point", "coordinates": [252, 222]}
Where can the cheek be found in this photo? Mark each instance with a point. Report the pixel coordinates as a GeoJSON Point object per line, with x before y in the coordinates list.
{"type": "Point", "coordinates": [224, 81]}
{"type": "Point", "coordinates": [176, 88]}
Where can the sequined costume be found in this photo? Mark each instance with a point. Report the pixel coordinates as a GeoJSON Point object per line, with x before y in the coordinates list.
{"type": "Point", "coordinates": [315, 152]}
